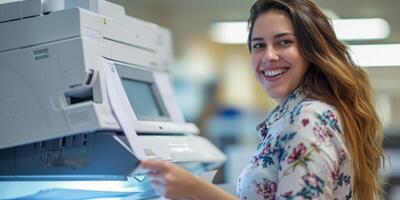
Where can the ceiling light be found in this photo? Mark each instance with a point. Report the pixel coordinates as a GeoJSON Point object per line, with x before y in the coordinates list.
{"type": "Point", "coordinates": [361, 29]}
{"type": "Point", "coordinates": [377, 55]}
{"type": "Point", "coordinates": [229, 32]}
{"type": "Point", "coordinates": [346, 29]}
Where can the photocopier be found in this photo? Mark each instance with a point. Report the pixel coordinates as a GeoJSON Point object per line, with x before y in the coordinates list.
{"type": "Point", "coordinates": [85, 94]}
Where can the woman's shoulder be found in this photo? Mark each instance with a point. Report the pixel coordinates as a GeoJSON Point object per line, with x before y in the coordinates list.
{"type": "Point", "coordinates": [317, 112]}
{"type": "Point", "coordinates": [309, 106]}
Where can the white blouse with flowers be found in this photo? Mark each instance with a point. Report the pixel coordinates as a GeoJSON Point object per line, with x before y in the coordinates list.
{"type": "Point", "coordinates": [301, 156]}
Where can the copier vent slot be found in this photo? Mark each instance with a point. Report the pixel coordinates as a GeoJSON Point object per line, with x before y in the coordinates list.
{"type": "Point", "coordinates": [41, 54]}
{"type": "Point", "coordinates": [59, 152]}
{"type": "Point", "coordinates": [64, 142]}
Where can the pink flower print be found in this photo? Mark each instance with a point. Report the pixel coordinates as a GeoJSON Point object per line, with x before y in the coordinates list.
{"type": "Point", "coordinates": [255, 161]}
{"type": "Point", "coordinates": [335, 174]}
{"type": "Point", "coordinates": [297, 153]}
{"type": "Point", "coordinates": [305, 121]}
{"type": "Point", "coordinates": [322, 133]}
{"type": "Point", "coordinates": [342, 156]}
{"type": "Point", "coordinates": [315, 147]}
{"type": "Point", "coordinates": [331, 115]}
{"type": "Point", "coordinates": [266, 150]}
{"type": "Point", "coordinates": [288, 194]}
{"type": "Point", "coordinates": [266, 188]}
{"type": "Point", "coordinates": [311, 179]}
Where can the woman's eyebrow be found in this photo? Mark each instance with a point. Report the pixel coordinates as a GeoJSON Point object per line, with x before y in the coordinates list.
{"type": "Point", "coordinates": [275, 36]}
{"type": "Point", "coordinates": [257, 39]}
{"type": "Point", "coordinates": [283, 34]}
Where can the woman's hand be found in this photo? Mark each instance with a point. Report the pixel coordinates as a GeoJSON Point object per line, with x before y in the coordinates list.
{"type": "Point", "coordinates": [171, 181]}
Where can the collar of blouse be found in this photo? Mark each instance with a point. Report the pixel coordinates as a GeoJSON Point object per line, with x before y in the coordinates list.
{"type": "Point", "coordinates": [294, 99]}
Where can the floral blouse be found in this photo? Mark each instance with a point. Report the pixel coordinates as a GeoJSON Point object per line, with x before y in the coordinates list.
{"type": "Point", "coordinates": [301, 156]}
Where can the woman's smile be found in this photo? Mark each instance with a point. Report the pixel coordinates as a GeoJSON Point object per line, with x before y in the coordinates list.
{"type": "Point", "coordinates": [273, 74]}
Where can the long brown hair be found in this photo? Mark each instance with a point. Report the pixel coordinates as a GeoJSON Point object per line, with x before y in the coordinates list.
{"type": "Point", "coordinates": [334, 78]}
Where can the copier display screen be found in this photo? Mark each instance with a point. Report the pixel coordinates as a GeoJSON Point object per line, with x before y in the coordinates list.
{"type": "Point", "coordinates": [142, 98]}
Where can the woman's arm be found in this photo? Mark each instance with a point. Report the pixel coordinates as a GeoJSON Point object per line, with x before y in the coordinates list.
{"type": "Point", "coordinates": [173, 182]}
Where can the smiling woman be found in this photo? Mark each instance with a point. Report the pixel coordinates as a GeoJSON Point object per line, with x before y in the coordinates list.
{"type": "Point", "coordinates": [314, 143]}
{"type": "Point", "coordinates": [330, 77]}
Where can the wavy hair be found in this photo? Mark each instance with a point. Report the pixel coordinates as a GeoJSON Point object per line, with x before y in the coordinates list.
{"type": "Point", "coordinates": [334, 78]}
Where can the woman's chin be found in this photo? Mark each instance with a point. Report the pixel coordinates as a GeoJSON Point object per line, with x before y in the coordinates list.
{"type": "Point", "coordinates": [277, 95]}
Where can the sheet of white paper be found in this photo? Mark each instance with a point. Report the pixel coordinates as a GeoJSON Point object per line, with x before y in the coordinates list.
{"type": "Point", "coordinates": [208, 175]}
{"type": "Point", "coordinates": [121, 107]}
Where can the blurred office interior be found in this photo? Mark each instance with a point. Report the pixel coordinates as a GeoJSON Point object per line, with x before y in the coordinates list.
{"type": "Point", "coordinates": [214, 79]}
{"type": "Point", "coordinates": [216, 88]}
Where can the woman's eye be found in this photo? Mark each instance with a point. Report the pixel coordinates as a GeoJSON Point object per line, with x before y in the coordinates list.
{"type": "Point", "coordinates": [258, 45]}
{"type": "Point", "coordinates": [285, 42]}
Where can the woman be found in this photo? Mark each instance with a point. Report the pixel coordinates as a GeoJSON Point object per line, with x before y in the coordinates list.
{"type": "Point", "coordinates": [323, 141]}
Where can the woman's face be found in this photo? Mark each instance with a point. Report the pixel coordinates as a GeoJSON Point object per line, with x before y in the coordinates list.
{"type": "Point", "coordinates": [276, 59]}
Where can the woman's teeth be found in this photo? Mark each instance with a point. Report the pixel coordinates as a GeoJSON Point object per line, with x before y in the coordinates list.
{"type": "Point", "coordinates": [273, 73]}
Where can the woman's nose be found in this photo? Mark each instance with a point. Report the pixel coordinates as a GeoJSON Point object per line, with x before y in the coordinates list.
{"type": "Point", "coordinates": [270, 54]}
